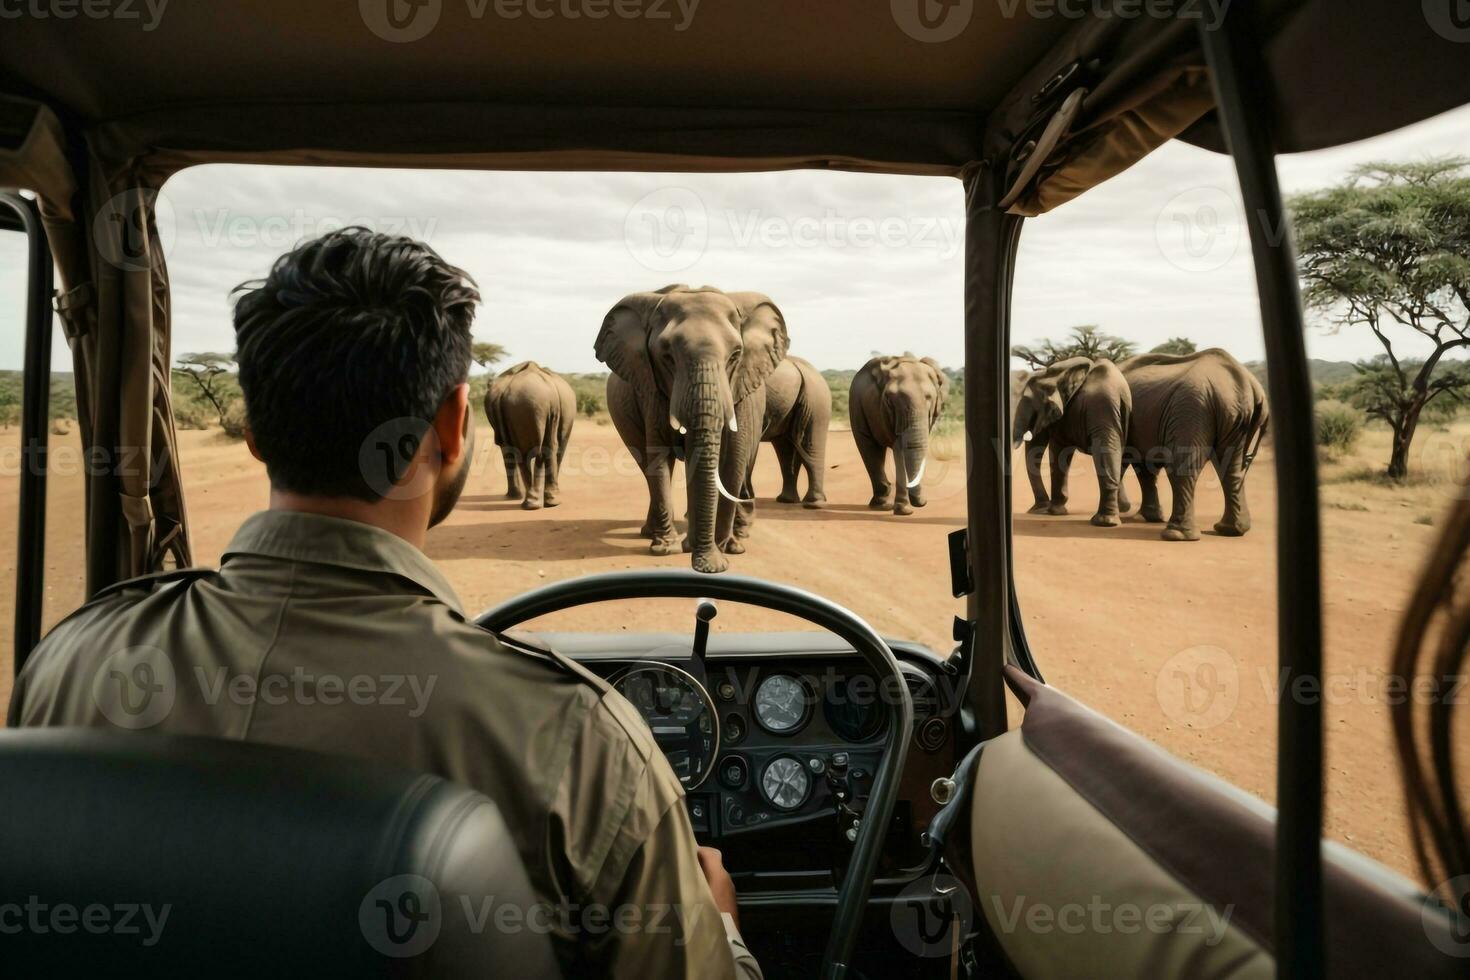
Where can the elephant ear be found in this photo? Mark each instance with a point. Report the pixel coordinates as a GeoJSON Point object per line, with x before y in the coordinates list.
{"type": "Point", "coordinates": [880, 367]}
{"type": "Point", "coordinates": [622, 343]}
{"type": "Point", "coordinates": [941, 380]}
{"type": "Point", "coordinates": [1070, 375]}
{"type": "Point", "coordinates": [763, 335]}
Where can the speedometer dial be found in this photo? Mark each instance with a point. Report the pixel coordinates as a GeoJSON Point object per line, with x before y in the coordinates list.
{"type": "Point", "coordinates": [680, 714]}
{"type": "Point", "coordinates": [786, 783]}
{"type": "Point", "coordinates": [781, 704]}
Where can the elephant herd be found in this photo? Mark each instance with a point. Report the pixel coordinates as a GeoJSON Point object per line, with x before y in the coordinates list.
{"type": "Point", "coordinates": [704, 376]}
{"type": "Point", "coordinates": [1155, 413]}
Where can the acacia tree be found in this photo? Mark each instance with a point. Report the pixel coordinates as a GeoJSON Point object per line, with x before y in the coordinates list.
{"type": "Point", "coordinates": [485, 353]}
{"type": "Point", "coordinates": [1389, 250]}
{"type": "Point", "coordinates": [1176, 345]}
{"type": "Point", "coordinates": [211, 374]}
{"type": "Point", "coordinates": [1086, 341]}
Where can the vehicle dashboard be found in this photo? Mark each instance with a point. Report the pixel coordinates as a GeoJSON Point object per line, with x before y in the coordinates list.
{"type": "Point", "coordinates": [776, 738]}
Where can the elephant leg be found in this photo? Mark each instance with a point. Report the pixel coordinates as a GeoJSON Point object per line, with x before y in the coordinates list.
{"type": "Point", "coordinates": [873, 454]}
{"type": "Point", "coordinates": [1150, 509]}
{"type": "Point", "coordinates": [551, 459]}
{"type": "Point", "coordinates": [1107, 456]}
{"type": "Point", "coordinates": [536, 485]}
{"type": "Point", "coordinates": [745, 512]}
{"type": "Point", "coordinates": [812, 450]}
{"type": "Point", "coordinates": [737, 462]}
{"type": "Point", "coordinates": [1061, 461]}
{"type": "Point", "coordinates": [787, 459]}
{"type": "Point", "coordinates": [902, 505]}
{"type": "Point", "coordinates": [658, 470]}
{"type": "Point", "coordinates": [515, 487]}
{"type": "Point", "coordinates": [1033, 453]}
{"type": "Point", "coordinates": [1183, 473]}
{"type": "Point", "coordinates": [1231, 470]}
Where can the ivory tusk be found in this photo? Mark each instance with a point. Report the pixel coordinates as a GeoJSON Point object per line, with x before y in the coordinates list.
{"type": "Point", "coordinates": [733, 426]}
{"type": "Point", "coordinates": [919, 475]}
{"type": "Point", "coordinates": [1027, 436]}
{"type": "Point", "coordinates": [727, 494]}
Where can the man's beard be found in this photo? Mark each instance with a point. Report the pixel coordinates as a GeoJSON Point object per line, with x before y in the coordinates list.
{"type": "Point", "coordinates": [444, 501]}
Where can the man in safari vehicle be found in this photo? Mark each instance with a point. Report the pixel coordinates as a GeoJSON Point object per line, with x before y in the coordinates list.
{"type": "Point", "coordinates": [354, 355]}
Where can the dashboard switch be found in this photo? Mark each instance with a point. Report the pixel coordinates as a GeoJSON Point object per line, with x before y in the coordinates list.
{"type": "Point", "coordinates": [733, 772]}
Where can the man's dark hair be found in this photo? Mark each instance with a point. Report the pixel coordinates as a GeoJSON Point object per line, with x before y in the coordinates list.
{"type": "Point", "coordinates": [350, 333]}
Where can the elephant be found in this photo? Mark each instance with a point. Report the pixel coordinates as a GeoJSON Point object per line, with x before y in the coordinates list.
{"type": "Point", "coordinates": [893, 404]}
{"type": "Point", "coordinates": [531, 410]}
{"type": "Point", "coordinates": [689, 370]}
{"type": "Point", "coordinates": [798, 414]}
{"type": "Point", "coordinates": [1075, 404]}
{"type": "Point", "coordinates": [1188, 408]}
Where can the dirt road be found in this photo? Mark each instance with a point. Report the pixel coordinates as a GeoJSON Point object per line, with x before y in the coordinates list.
{"type": "Point", "coordinates": [1176, 641]}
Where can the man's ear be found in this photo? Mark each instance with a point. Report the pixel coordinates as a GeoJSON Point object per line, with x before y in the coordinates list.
{"type": "Point", "coordinates": [452, 422]}
{"type": "Point", "coordinates": [250, 442]}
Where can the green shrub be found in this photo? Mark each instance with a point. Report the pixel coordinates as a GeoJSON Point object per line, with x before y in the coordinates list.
{"type": "Point", "coordinates": [589, 403]}
{"type": "Point", "coordinates": [1338, 427]}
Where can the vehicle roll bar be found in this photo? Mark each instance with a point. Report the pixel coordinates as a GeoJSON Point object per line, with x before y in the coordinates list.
{"type": "Point", "coordinates": [1245, 107]}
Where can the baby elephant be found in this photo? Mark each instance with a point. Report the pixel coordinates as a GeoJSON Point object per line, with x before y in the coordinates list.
{"type": "Point", "coordinates": [893, 404]}
{"type": "Point", "coordinates": [1075, 404]}
{"type": "Point", "coordinates": [1187, 409]}
{"type": "Point", "coordinates": [531, 410]}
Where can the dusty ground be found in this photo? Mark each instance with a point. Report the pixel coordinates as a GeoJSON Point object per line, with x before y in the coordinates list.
{"type": "Point", "coordinates": [1173, 640]}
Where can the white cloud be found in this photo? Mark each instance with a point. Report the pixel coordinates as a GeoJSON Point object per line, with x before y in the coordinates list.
{"type": "Point", "coordinates": [857, 262]}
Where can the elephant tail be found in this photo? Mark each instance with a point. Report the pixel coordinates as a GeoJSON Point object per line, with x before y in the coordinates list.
{"type": "Point", "coordinates": [806, 434]}
{"type": "Point", "coordinates": [1256, 431]}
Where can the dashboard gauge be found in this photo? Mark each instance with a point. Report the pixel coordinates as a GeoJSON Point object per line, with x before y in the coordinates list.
{"type": "Point", "coordinates": [853, 708]}
{"type": "Point", "coordinates": [680, 714]}
{"type": "Point", "coordinates": [786, 783]}
{"type": "Point", "coordinates": [781, 704]}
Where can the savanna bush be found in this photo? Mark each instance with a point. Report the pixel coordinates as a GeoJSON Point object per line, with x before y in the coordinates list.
{"type": "Point", "coordinates": [1338, 427]}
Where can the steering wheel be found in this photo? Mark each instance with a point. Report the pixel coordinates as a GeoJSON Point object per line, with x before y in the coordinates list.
{"type": "Point", "coordinates": [852, 898]}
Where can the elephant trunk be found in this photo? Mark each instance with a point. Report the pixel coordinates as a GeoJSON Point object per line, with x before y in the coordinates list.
{"type": "Point", "coordinates": [914, 448]}
{"type": "Point", "coordinates": [707, 408]}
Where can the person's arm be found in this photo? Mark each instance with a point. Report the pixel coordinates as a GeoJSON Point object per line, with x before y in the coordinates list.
{"type": "Point", "coordinates": [671, 923]}
{"type": "Point", "coordinates": [722, 889]}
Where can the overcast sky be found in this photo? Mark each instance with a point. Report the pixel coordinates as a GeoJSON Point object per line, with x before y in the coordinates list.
{"type": "Point", "coordinates": [858, 263]}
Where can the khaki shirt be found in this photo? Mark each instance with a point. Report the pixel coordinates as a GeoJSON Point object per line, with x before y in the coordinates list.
{"type": "Point", "coordinates": [337, 636]}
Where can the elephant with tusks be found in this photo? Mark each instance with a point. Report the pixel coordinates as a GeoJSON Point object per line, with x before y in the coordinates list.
{"type": "Point", "coordinates": [894, 403]}
{"type": "Point", "coordinates": [689, 370]}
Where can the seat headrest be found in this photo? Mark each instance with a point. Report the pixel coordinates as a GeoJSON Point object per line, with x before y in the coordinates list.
{"type": "Point", "coordinates": [124, 853]}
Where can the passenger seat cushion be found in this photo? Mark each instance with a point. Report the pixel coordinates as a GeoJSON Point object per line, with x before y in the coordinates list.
{"type": "Point", "coordinates": [1077, 816]}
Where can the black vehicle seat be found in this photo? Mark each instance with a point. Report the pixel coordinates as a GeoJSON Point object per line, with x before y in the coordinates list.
{"type": "Point", "coordinates": [126, 854]}
{"type": "Point", "coordinates": [1097, 854]}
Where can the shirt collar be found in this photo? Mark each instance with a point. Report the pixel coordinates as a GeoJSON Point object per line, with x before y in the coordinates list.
{"type": "Point", "coordinates": [323, 540]}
